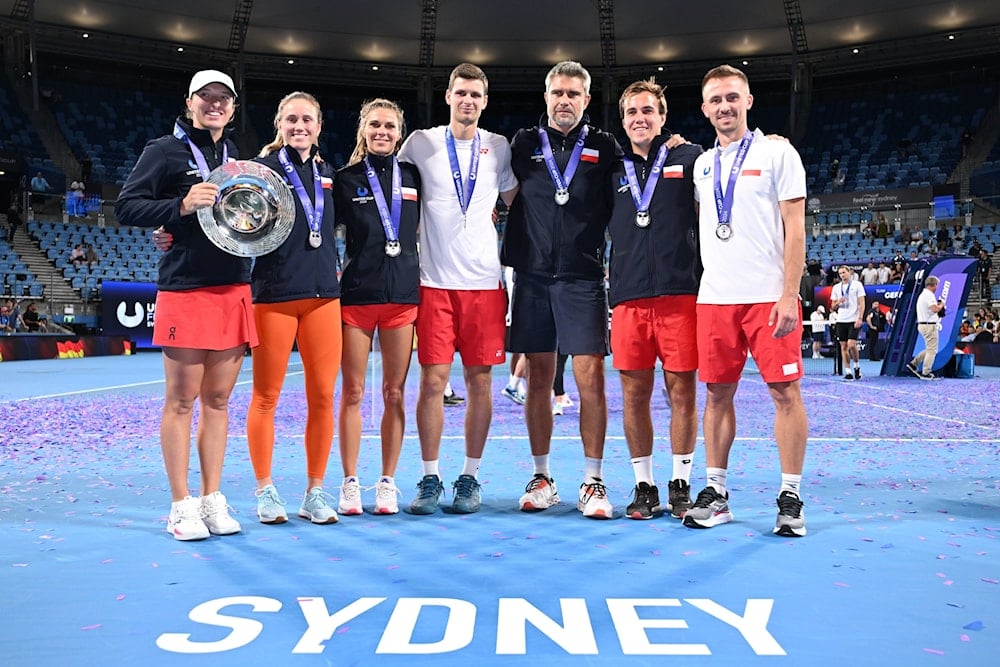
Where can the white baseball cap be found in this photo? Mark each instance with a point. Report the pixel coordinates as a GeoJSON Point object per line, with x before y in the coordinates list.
{"type": "Point", "coordinates": [207, 76]}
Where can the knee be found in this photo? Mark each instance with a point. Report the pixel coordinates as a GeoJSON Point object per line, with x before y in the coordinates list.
{"type": "Point", "coordinates": [352, 394]}
{"type": "Point", "coordinates": [215, 400]}
{"type": "Point", "coordinates": [392, 396]}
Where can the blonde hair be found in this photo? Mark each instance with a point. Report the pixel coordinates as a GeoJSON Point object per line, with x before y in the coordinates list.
{"type": "Point", "coordinates": [360, 145]}
{"type": "Point", "coordinates": [278, 141]}
{"type": "Point", "coordinates": [646, 86]}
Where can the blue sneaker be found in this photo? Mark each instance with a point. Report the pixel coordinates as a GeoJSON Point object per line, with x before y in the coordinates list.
{"type": "Point", "coordinates": [429, 490]}
{"type": "Point", "coordinates": [466, 491]}
{"type": "Point", "coordinates": [270, 506]}
{"type": "Point", "coordinates": [515, 395]}
{"type": "Point", "coordinates": [316, 508]}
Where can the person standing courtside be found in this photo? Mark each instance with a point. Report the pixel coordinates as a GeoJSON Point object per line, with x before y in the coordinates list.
{"type": "Point", "coordinates": [928, 309]}
{"type": "Point", "coordinates": [655, 270]}
{"type": "Point", "coordinates": [463, 169]}
{"type": "Point", "coordinates": [847, 303]}
{"type": "Point", "coordinates": [203, 300]}
{"type": "Point", "coordinates": [555, 242]}
{"type": "Point", "coordinates": [751, 223]}
{"type": "Point", "coordinates": [377, 202]}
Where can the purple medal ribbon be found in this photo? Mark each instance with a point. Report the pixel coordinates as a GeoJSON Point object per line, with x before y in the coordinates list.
{"type": "Point", "coordinates": [199, 157]}
{"type": "Point", "coordinates": [560, 180]}
{"type": "Point", "coordinates": [644, 198]}
{"type": "Point", "coordinates": [724, 203]}
{"type": "Point", "coordinates": [314, 215]}
{"type": "Point", "coordinates": [390, 218]}
{"type": "Point", "coordinates": [464, 191]}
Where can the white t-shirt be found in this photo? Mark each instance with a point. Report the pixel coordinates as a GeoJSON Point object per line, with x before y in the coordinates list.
{"type": "Point", "coordinates": [458, 252]}
{"type": "Point", "coordinates": [883, 275]}
{"type": "Point", "coordinates": [817, 322]}
{"type": "Point", "coordinates": [750, 266]}
{"type": "Point", "coordinates": [924, 303]}
{"type": "Point", "coordinates": [869, 276]}
{"type": "Point", "coordinates": [848, 312]}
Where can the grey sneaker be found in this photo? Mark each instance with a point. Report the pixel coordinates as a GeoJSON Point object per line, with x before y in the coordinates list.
{"type": "Point", "coordinates": [316, 507]}
{"type": "Point", "coordinates": [429, 490]}
{"type": "Point", "coordinates": [710, 509]}
{"type": "Point", "coordinates": [270, 506]}
{"type": "Point", "coordinates": [791, 519]}
{"type": "Point", "coordinates": [466, 491]}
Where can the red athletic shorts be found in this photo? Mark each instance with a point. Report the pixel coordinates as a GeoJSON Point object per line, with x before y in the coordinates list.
{"type": "Point", "coordinates": [662, 327]}
{"type": "Point", "coordinates": [469, 321]}
{"type": "Point", "coordinates": [379, 315]}
{"type": "Point", "coordinates": [206, 318]}
{"type": "Point", "coordinates": [727, 332]}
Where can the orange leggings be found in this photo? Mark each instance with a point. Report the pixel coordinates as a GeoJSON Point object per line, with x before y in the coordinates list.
{"type": "Point", "coordinates": [316, 325]}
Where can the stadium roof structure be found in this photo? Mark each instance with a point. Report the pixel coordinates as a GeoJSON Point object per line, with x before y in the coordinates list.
{"type": "Point", "coordinates": [398, 41]}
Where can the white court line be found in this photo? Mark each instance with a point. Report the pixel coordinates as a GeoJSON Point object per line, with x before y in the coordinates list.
{"type": "Point", "coordinates": [908, 412]}
{"type": "Point", "coordinates": [621, 438]}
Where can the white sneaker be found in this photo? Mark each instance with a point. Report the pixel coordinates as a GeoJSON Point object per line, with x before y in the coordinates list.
{"type": "Point", "coordinates": [594, 500]}
{"type": "Point", "coordinates": [386, 501]}
{"type": "Point", "coordinates": [350, 499]}
{"type": "Point", "coordinates": [539, 494]}
{"type": "Point", "coordinates": [184, 522]}
{"type": "Point", "coordinates": [215, 514]}
{"type": "Point", "coordinates": [557, 408]}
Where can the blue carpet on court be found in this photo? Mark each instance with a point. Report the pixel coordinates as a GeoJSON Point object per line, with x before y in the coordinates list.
{"type": "Point", "coordinates": [901, 565]}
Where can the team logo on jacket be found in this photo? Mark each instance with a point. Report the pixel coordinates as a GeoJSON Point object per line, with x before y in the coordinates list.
{"type": "Point", "coordinates": [622, 184]}
{"type": "Point", "coordinates": [363, 196]}
{"type": "Point", "coordinates": [536, 155]}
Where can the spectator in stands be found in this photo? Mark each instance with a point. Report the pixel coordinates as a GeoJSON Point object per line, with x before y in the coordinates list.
{"type": "Point", "coordinates": [875, 319]}
{"type": "Point", "coordinates": [916, 238]}
{"type": "Point", "coordinates": [765, 239]}
{"type": "Point", "coordinates": [39, 189]}
{"type": "Point", "coordinates": [203, 314]}
{"type": "Point", "coordinates": [78, 256]}
{"type": "Point", "coordinates": [380, 290]}
{"type": "Point", "coordinates": [34, 322]}
{"type": "Point", "coordinates": [942, 237]}
{"type": "Point", "coordinates": [91, 256]}
{"type": "Point", "coordinates": [848, 301]}
{"type": "Point", "coordinates": [985, 266]}
{"type": "Point", "coordinates": [975, 248]}
{"type": "Point", "coordinates": [884, 272]}
{"type": "Point", "coordinates": [6, 325]}
{"type": "Point", "coordinates": [882, 227]}
{"type": "Point", "coordinates": [13, 221]}
{"type": "Point", "coordinates": [927, 308]}
{"type": "Point", "coordinates": [896, 271]}
{"type": "Point", "coordinates": [869, 274]}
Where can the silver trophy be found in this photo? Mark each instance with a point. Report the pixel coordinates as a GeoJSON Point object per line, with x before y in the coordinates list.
{"type": "Point", "coordinates": [253, 213]}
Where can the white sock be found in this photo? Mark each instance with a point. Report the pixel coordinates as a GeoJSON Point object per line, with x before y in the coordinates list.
{"type": "Point", "coordinates": [682, 466]}
{"type": "Point", "coordinates": [385, 479]}
{"type": "Point", "coordinates": [448, 391]}
{"type": "Point", "coordinates": [593, 468]}
{"type": "Point", "coordinates": [716, 479]}
{"type": "Point", "coordinates": [431, 468]}
{"type": "Point", "coordinates": [791, 483]}
{"type": "Point", "coordinates": [542, 465]}
{"type": "Point", "coordinates": [522, 385]}
{"type": "Point", "coordinates": [642, 466]}
{"type": "Point", "coordinates": [512, 382]}
{"type": "Point", "coordinates": [348, 480]}
{"type": "Point", "coordinates": [471, 466]}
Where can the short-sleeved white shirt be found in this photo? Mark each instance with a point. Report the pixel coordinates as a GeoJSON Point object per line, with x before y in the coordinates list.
{"type": "Point", "coordinates": [924, 303]}
{"type": "Point", "coordinates": [848, 312]}
{"type": "Point", "coordinates": [459, 252]}
{"type": "Point", "coordinates": [750, 266]}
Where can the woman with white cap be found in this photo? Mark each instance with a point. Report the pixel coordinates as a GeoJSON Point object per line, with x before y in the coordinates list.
{"type": "Point", "coordinates": [204, 320]}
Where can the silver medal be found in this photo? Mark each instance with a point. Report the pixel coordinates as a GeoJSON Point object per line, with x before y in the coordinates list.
{"type": "Point", "coordinates": [315, 239]}
{"type": "Point", "coordinates": [642, 219]}
{"type": "Point", "coordinates": [724, 232]}
{"type": "Point", "coordinates": [392, 248]}
{"type": "Point", "coordinates": [562, 197]}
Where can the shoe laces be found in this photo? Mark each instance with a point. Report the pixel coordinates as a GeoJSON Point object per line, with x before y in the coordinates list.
{"type": "Point", "coordinates": [789, 504]}
{"type": "Point", "coordinates": [595, 489]}
{"type": "Point", "coordinates": [317, 497]}
{"type": "Point", "coordinates": [386, 490]}
{"type": "Point", "coordinates": [429, 487]}
{"type": "Point", "coordinates": [707, 496]}
{"type": "Point", "coordinates": [350, 491]}
{"type": "Point", "coordinates": [677, 485]}
{"type": "Point", "coordinates": [268, 496]}
{"type": "Point", "coordinates": [465, 485]}
{"type": "Point", "coordinates": [216, 508]}
{"type": "Point", "coordinates": [641, 492]}
{"type": "Point", "coordinates": [537, 482]}
{"type": "Point", "coordinates": [185, 511]}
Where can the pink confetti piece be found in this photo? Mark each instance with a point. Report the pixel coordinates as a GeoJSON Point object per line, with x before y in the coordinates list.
{"type": "Point", "coordinates": [106, 561]}
{"type": "Point", "coordinates": [200, 557]}
{"type": "Point", "coordinates": [90, 627]}
{"type": "Point", "coordinates": [690, 553]}
{"type": "Point", "coordinates": [841, 584]}
{"type": "Point", "coordinates": [964, 637]}
{"type": "Point", "coordinates": [154, 565]}
{"type": "Point", "coordinates": [393, 567]}
{"type": "Point", "coordinates": [119, 597]}
{"type": "Point", "coordinates": [498, 554]}
{"type": "Point", "coordinates": [461, 555]}
{"type": "Point", "coordinates": [949, 582]}
{"type": "Point", "coordinates": [601, 546]}
{"type": "Point", "coordinates": [655, 552]}
{"type": "Point", "coordinates": [933, 651]}
{"type": "Point", "coordinates": [19, 565]}
{"type": "Point", "coordinates": [342, 629]}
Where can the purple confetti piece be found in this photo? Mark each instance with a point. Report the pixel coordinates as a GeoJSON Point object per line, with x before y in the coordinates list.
{"type": "Point", "coordinates": [934, 651]}
{"type": "Point", "coordinates": [498, 554]}
{"type": "Point", "coordinates": [200, 557]}
{"type": "Point", "coordinates": [841, 584]}
{"type": "Point", "coordinates": [342, 629]}
{"type": "Point", "coordinates": [655, 552]}
{"type": "Point", "coordinates": [90, 627]}
{"type": "Point", "coordinates": [119, 597]}
{"type": "Point", "coordinates": [975, 625]}
{"type": "Point", "coordinates": [990, 581]}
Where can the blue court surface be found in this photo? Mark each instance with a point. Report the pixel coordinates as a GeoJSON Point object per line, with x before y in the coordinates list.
{"type": "Point", "coordinates": [901, 565]}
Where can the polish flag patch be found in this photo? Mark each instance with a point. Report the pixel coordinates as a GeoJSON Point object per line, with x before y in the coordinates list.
{"type": "Point", "coordinates": [326, 182]}
{"type": "Point", "coordinates": [410, 194]}
{"type": "Point", "coordinates": [590, 155]}
{"type": "Point", "coordinates": [674, 171]}
{"type": "Point", "coordinates": [750, 172]}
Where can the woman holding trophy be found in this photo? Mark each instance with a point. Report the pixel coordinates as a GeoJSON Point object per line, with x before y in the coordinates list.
{"type": "Point", "coordinates": [376, 198]}
{"type": "Point", "coordinates": [203, 313]}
